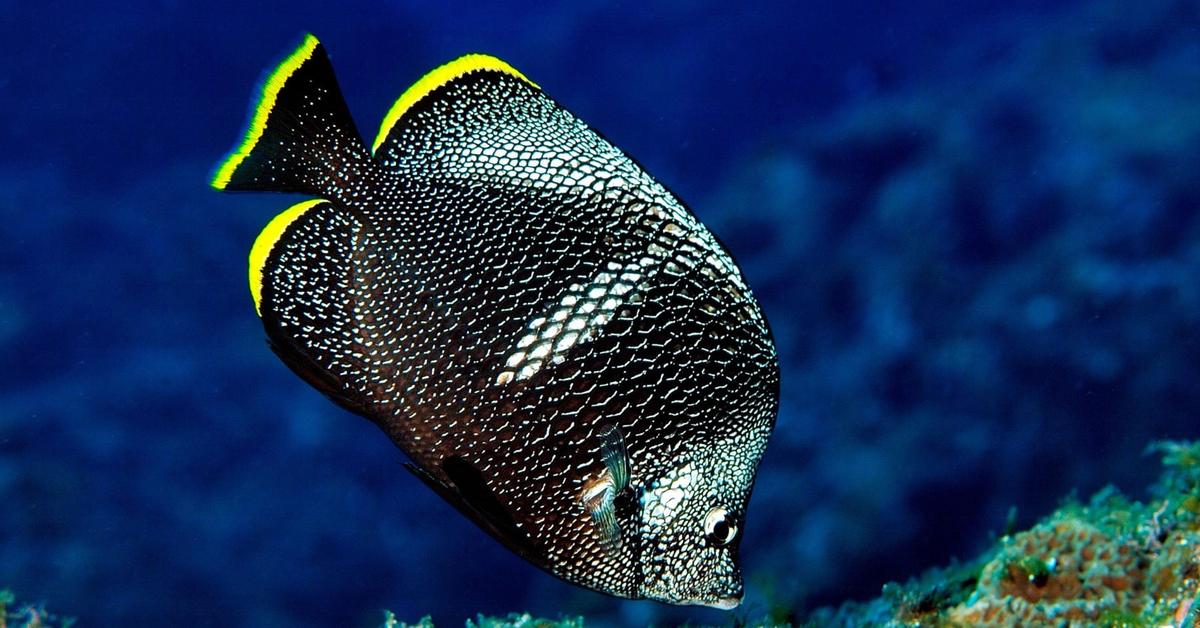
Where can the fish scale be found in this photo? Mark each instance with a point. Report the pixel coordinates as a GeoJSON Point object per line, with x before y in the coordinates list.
{"type": "Point", "coordinates": [561, 348]}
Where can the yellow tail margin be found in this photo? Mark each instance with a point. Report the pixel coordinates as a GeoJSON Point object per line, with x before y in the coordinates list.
{"type": "Point", "coordinates": [266, 102]}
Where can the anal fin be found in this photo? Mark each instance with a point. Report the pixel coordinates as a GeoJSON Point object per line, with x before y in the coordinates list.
{"type": "Point", "coordinates": [317, 376]}
{"type": "Point", "coordinates": [468, 492]}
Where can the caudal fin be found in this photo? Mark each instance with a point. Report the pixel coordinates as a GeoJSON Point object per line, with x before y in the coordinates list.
{"type": "Point", "coordinates": [301, 136]}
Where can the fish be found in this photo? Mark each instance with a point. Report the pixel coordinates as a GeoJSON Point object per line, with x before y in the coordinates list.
{"type": "Point", "coordinates": [561, 349]}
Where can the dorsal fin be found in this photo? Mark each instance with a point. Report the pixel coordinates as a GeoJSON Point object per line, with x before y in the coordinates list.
{"type": "Point", "coordinates": [439, 85]}
{"type": "Point", "coordinates": [478, 123]}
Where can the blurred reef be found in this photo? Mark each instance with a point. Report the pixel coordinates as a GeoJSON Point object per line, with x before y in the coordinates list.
{"type": "Point", "coordinates": [14, 614]}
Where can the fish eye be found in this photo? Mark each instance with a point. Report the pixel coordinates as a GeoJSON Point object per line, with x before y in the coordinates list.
{"type": "Point", "coordinates": [719, 527]}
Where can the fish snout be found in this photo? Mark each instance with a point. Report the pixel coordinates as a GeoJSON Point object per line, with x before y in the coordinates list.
{"type": "Point", "coordinates": [726, 597]}
{"type": "Point", "coordinates": [726, 603]}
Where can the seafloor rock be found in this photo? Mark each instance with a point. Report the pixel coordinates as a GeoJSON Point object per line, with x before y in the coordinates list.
{"type": "Point", "coordinates": [1109, 562]}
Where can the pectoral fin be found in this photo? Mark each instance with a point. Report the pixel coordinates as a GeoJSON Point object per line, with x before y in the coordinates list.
{"type": "Point", "coordinates": [600, 497]}
{"type": "Point", "coordinates": [600, 503]}
{"type": "Point", "coordinates": [615, 455]}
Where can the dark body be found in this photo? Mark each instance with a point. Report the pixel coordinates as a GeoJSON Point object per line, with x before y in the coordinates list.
{"type": "Point", "coordinates": [501, 290]}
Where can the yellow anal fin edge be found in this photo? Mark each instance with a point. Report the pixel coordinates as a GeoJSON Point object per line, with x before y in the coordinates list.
{"type": "Point", "coordinates": [436, 78]}
{"type": "Point", "coordinates": [266, 102]}
{"type": "Point", "coordinates": [265, 242]}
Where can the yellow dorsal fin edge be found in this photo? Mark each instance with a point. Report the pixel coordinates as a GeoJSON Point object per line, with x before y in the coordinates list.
{"type": "Point", "coordinates": [436, 78]}
{"type": "Point", "coordinates": [270, 91]}
{"type": "Point", "coordinates": [265, 242]}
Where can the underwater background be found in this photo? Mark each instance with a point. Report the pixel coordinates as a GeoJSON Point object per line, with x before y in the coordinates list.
{"type": "Point", "coordinates": [972, 226]}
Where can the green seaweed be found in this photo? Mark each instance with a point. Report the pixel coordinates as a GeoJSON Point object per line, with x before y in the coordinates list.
{"type": "Point", "coordinates": [1036, 570]}
{"type": "Point", "coordinates": [1120, 618]}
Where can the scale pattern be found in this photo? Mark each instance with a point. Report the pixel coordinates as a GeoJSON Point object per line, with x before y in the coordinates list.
{"type": "Point", "coordinates": [500, 286]}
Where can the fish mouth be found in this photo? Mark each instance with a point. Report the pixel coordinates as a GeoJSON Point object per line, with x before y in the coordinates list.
{"type": "Point", "coordinates": [726, 596]}
{"type": "Point", "coordinates": [725, 603]}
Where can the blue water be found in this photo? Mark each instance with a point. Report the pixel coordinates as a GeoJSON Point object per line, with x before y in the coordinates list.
{"type": "Point", "coordinates": [972, 226]}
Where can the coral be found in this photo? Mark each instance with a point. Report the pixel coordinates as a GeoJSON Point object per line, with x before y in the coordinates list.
{"type": "Point", "coordinates": [1109, 562]}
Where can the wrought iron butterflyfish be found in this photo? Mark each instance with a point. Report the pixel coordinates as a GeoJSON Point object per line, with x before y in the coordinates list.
{"type": "Point", "coordinates": [564, 352]}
